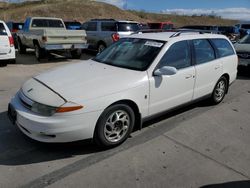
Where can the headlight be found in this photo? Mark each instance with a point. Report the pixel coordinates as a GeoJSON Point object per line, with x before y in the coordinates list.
{"type": "Point", "coordinates": [43, 109]}
{"type": "Point", "coordinates": [50, 110]}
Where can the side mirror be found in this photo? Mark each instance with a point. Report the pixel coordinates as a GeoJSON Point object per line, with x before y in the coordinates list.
{"type": "Point", "coordinates": [166, 70]}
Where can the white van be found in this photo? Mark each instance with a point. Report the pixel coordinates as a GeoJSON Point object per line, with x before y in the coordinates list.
{"type": "Point", "coordinates": [7, 49]}
{"type": "Point", "coordinates": [134, 79]}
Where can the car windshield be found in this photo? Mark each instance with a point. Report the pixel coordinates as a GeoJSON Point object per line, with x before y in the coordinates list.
{"type": "Point", "coordinates": [131, 53]}
{"type": "Point", "coordinates": [128, 26]}
{"type": "Point", "coordinates": [245, 40]}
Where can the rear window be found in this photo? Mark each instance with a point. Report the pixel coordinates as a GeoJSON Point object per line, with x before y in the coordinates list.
{"type": "Point", "coordinates": [128, 26]}
{"type": "Point", "coordinates": [224, 47]}
{"type": "Point", "coordinates": [47, 23]}
{"type": "Point", "coordinates": [18, 26]}
{"type": "Point", "coordinates": [2, 30]}
{"type": "Point", "coordinates": [108, 26]}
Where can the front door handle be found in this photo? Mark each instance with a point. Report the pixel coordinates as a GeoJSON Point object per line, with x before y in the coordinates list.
{"type": "Point", "coordinates": [188, 76]}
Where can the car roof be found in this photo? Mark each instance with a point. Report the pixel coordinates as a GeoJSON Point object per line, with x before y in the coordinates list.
{"type": "Point", "coordinates": [167, 36]}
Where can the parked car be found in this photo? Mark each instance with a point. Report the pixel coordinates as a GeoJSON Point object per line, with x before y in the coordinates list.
{"type": "Point", "coordinates": [101, 33]}
{"type": "Point", "coordinates": [230, 31]}
{"type": "Point", "coordinates": [201, 27]}
{"type": "Point", "coordinates": [14, 27]}
{"type": "Point", "coordinates": [243, 28]}
{"type": "Point", "coordinates": [136, 78]}
{"type": "Point", "coordinates": [242, 48]}
{"type": "Point", "coordinates": [161, 25]}
{"type": "Point", "coordinates": [7, 49]}
{"type": "Point", "coordinates": [50, 34]}
{"type": "Point", "coordinates": [73, 25]}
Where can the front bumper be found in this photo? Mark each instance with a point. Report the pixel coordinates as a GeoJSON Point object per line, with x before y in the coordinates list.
{"type": "Point", "coordinates": [65, 46]}
{"type": "Point", "coordinates": [53, 129]}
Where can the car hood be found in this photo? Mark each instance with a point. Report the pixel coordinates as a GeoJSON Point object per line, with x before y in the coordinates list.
{"type": "Point", "coordinates": [87, 80]}
{"type": "Point", "coordinates": [241, 47]}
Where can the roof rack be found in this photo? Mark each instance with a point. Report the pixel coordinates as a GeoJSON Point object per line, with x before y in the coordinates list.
{"type": "Point", "coordinates": [178, 32]}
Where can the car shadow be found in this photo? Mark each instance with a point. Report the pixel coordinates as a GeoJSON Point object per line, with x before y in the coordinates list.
{"type": "Point", "coordinates": [243, 73]}
{"type": "Point", "coordinates": [18, 149]}
{"type": "Point", "coordinates": [234, 184]}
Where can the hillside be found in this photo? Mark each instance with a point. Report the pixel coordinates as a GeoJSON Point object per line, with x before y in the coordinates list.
{"type": "Point", "coordinates": [87, 9]}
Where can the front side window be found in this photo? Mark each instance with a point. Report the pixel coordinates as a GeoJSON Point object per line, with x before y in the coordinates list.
{"type": "Point", "coordinates": [224, 47]}
{"type": "Point", "coordinates": [2, 30]}
{"type": "Point", "coordinates": [178, 56]}
{"type": "Point", "coordinates": [131, 53]}
{"type": "Point", "coordinates": [204, 52]}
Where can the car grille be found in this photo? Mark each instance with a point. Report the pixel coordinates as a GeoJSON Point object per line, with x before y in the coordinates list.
{"type": "Point", "coordinates": [26, 102]}
{"type": "Point", "coordinates": [243, 55]}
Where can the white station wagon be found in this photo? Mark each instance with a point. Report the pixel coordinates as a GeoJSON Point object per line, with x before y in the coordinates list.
{"type": "Point", "coordinates": [138, 77]}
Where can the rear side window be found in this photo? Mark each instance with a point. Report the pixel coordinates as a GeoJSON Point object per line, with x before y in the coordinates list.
{"type": "Point", "coordinates": [224, 47]}
{"type": "Point", "coordinates": [178, 56]}
{"type": "Point", "coordinates": [2, 30]}
{"type": "Point", "coordinates": [108, 26]}
{"type": "Point", "coordinates": [204, 52]}
{"type": "Point", "coordinates": [91, 26]}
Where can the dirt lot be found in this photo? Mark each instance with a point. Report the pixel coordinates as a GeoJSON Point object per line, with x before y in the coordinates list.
{"type": "Point", "coordinates": [199, 146]}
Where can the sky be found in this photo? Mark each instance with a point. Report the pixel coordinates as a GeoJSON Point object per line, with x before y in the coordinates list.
{"type": "Point", "coordinates": [232, 9]}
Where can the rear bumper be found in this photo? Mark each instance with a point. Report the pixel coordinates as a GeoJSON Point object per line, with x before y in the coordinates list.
{"type": "Point", "coordinates": [8, 56]}
{"type": "Point", "coordinates": [65, 46]}
{"type": "Point", "coordinates": [244, 62]}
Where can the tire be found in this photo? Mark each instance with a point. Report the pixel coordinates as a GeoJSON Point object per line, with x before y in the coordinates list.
{"type": "Point", "coordinates": [101, 47]}
{"type": "Point", "coordinates": [76, 54]}
{"type": "Point", "coordinates": [114, 126]}
{"type": "Point", "coordinates": [219, 91]}
{"type": "Point", "coordinates": [40, 53]}
{"type": "Point", "coordinates": [21, 48]}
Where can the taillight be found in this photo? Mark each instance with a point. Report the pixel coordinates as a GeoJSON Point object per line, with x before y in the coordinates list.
{"type": "Point", "coordinates": [115, 37]}
{"type": "Point", "coordinates": [11, 41]}
{"type": "Point", "coordinates": [14, 30]}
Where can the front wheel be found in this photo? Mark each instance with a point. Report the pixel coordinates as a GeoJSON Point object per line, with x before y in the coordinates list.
{"type": "Point", "coordinates": [114, 125]}
{"type": "Point", "coordinates": [219, 91]}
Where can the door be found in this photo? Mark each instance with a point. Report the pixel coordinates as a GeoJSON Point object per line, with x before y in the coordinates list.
{"type": "Point", "coordinates": [91, 31]}
{"type": "Point", "coordinates": [167, 92]}
{"type": "Point", "coordinates": [4, 40]}
{"type": "Point", "coordinates": [208, 68]}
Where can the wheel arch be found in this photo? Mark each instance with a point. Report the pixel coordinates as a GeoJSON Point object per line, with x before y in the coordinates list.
{"type": "Point", "coordinates": [226, 75]}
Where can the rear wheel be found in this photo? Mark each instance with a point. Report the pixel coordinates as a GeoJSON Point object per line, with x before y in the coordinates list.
{"type": "Point", "coordinates": [76, 54]}
{"type": "Point", "coordinates": [21, 48]}
{"type": "Point", "coordinates": [101, 47]}
{"type": "Point", "coordinates": [114, 125]}
{"type": "Point", "coordinates": [40, 52]}
{"type": "Point", "coordinates": [219, 90]}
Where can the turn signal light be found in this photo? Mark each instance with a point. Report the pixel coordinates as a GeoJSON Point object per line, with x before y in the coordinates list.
{"type": "Point", "coordinates": [68, 109]}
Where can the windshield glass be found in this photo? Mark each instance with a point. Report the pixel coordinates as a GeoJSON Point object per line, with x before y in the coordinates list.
{"type": "Point", "coordinates": [131, 53]}
{"type": "Point", "coordinates": [128, 26]}
{"type": "Point", "coordinates": [245, 40]}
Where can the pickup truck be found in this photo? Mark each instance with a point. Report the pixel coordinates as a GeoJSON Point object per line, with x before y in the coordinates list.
{"type": "Point", "coordinates": [50, 34]}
